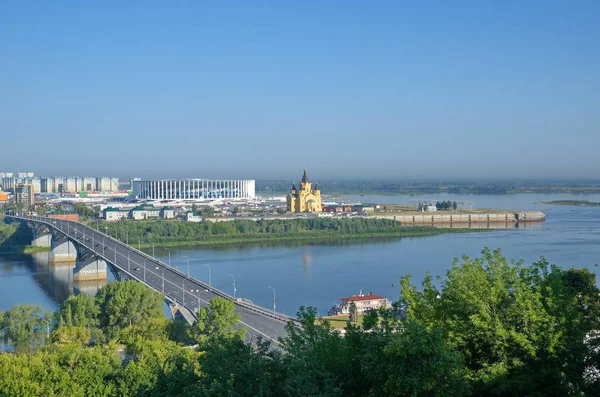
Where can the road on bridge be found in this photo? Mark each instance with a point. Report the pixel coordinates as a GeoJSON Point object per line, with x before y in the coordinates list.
{"type": "Point", "coordinates": [177, 286]}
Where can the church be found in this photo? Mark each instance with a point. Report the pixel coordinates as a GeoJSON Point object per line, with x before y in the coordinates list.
{"type": "Point", "coordinates": [304, 199]}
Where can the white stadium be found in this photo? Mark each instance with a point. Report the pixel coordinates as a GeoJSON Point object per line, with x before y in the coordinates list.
{"type": "Point", "coordinates": [193, 189]}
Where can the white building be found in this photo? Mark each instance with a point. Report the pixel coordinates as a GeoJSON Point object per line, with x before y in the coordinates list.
{"type": "Point", "coordinates": [191, 217]}
{"type": "Point", "coordinates": [193, 189]}
{"type": "Point", "coordinates": [36, 182]}
{"type": "Point", "coordinates": [138, 213]}
{"type": "Point", "coordinates": [364, 303]}
{"type": "Point", "coordinates": [70, 184]}
{"type": "Point", "coordinates": [115, 214]}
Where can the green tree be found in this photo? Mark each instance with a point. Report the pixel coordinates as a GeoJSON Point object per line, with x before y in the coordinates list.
{"type": "Point", "coordinates": [127, 303]}
{"type": "Point", "coordinates": [79, 311]}
{"type": "Point", "coordinates": [454, 205]}
{"type": "Point", "coordinates": [217, 321]}
{"type": "Point", "coordinates": [71, 336]}
{"type": "Point", "coordinates": [25, 326]}
{"type": "Point", "coordinates": [512, 324]}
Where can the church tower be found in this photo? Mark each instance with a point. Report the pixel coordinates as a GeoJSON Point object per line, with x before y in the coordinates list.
{"type": "Point", "coordinates": [304, 199]}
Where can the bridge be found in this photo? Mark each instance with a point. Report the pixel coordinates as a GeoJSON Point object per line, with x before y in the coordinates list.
{"type": "Point", "coordinates": [95, 252]}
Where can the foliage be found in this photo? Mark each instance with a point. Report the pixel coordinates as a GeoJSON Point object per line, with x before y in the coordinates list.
{"type": "Point", "coordinates": [24, 326]}
{"type": "Point", "coordinates": [518, 329]}
{"type": "Point", "coordinates": [166, 231]}
{"type": "Point", "coordinates": [14, 234]}
{"type": "Point", "coordinates": [84, 211]}
{"type": "Point", "coordinates": [127, 303]}
{"type": "Point", "coordinates": [218, 321]}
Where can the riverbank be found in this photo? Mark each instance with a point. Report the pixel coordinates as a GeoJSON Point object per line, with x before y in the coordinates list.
{"type": "Point", "coordinates": [314, 237]}
{"type": "Point", "coordinates": [580, 203]}
{"type": "Point", "coordinates": [23, 249]}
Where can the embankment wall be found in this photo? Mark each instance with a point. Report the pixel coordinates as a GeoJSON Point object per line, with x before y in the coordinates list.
{"type": "Point", "coordinates": [433, 217]}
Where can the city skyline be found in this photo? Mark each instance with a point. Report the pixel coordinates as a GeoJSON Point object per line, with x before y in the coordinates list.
{"type": "Point", "coordinates": [258, 90]}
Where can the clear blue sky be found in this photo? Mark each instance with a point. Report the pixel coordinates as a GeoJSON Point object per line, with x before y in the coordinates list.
{"type": "Point", "coordinates": [250, 89]}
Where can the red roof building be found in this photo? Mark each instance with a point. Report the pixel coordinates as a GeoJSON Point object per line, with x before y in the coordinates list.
{"type": "Point", "coordinates": [364, 302]}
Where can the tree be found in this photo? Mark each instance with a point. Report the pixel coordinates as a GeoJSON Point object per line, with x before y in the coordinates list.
{"type": "Point", "coordinates": [79, 336]}
{"type": "Point", "coordinates": [217, 321]}
{"type": "Point", "coordinates": [24, 326]}
{"type": "Point", "coordinates": [454, 205]}
{"type": "Point", "coordinates": [79, 311]}
{"type": "Point", "coordinates": [352, 312]}
{"type": "Point", "coordinates": [419, 362]}
{"type": "Point", "coordinates": [208, 212]}
{"type": "Point", "coordinates": [127, 303]}
{"type": "Point", "coordinates": [519, 329]}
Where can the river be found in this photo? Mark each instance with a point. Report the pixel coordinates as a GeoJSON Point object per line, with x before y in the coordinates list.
{"type": "Point", "coordinates": [319, 274]}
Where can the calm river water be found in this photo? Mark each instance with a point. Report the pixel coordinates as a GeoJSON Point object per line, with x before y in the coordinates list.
{"type": "Point", "coordinates": [319, 274]}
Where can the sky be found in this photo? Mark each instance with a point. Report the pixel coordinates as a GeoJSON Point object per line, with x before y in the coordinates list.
{"type": "Point", "coordinates": [262, 89]}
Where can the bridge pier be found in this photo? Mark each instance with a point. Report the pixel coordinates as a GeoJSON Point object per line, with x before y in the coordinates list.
{"type": "Point", "coordinates": [42, 239]}
{"type": "Point", "coordinates": [62, 249]}
{"type": "Point", "coordinates": [89, 267]}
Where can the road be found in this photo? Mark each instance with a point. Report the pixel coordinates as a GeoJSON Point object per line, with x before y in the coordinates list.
{"type": "Point", "coordinates": [174, 284]}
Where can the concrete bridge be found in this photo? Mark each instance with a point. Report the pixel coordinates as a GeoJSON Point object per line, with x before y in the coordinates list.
{"type": "Point", "coordinates": [95, 252]}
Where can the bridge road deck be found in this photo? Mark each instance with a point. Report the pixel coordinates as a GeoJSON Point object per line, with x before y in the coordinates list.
{"type": "Point", "coordinates": [174, 284]}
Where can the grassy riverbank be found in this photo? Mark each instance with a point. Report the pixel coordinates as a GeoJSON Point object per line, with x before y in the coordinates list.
{"type": "Point", "coordinates": [23, 249]}
{"type": "Point", "coordinates": [307, 237]}
{"type": "Point", "coordinates": [174, 233]}
{"type": "Point", "coordinates": [581, 203]}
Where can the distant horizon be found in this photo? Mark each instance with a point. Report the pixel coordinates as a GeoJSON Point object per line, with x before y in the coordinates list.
{"type": "Point", "coordinates": [297, 176]}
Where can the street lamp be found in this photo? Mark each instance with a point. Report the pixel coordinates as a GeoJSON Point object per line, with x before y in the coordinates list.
{"type": "Point", "coordinates": [169, 255]}
{"type": "Point", "coordinates": [106, 230]}
{"type": "Point", "coordinates": [139, 243]}
{"type": "Point", "coordinates": [209, 277]}
{"type": "Point", "coordinates": [188, 263]}
{"type": "Point", "coordinates": [233, 277]}
{"type": "Point", "coordinates": [274, 298]}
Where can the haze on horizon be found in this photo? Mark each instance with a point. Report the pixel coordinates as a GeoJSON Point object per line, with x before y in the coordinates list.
{"type": "Point", "coordinates": [263, 89]}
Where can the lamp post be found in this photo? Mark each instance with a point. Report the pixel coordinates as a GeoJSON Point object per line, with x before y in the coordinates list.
{"type": "Point", "coordinates": [139, 243]}
{"type": "Point", "coordinates": [274, 298]}
{"type": "Point", "coordinates": [233, 277]}
{"type": "Point", "coordinates": [209, 276]}
{"type": "Point", "coordinates": [106, 230]}
{"type": "Point", "coordinates": [188, 265]}
{"type": "Point", "coordinates": [169, 256]}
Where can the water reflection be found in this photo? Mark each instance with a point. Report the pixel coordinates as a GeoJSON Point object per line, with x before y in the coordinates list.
{"type": "Point", "coordinates": [306, 260]}
{"type": "Point", "coordinates": [53, 281]}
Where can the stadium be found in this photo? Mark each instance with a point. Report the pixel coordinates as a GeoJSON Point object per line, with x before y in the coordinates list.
{"type": "Point", "coordinates": [193, 189]}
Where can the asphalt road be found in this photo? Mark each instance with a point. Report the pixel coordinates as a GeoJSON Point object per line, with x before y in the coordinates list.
{"type": "Point", "coordinates": [174, 284]}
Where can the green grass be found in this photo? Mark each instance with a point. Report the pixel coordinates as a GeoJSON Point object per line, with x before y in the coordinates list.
{"type": "Point", "coordinates": [582, 203]}
{"type": "Point", "coordinates": [341, 321]}
{"type": "Point", "coordinates": [23, 249]}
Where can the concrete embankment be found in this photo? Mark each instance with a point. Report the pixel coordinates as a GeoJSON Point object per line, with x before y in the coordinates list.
{"type": "Point", "coordinates": [479, 217]}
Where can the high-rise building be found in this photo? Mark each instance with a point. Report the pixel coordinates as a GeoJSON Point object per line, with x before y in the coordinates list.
{"type": "Point", "coordinates": [24, 194]}
{"type": "Point", "coordinates": [103, 184]}
{"type": "Point", "coordinates": [89, 184]}
{"type": "Point", "coordinates": [36, 182]}
{"type": "Point", "coordinates": [70, 184]}
{"type": "Point", "coordinates": [114, 184]}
